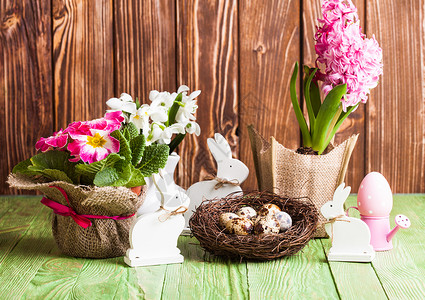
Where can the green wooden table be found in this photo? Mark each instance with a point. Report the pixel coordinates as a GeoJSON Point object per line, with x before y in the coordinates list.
{"type": "Point", "coordinates": [32, 267]}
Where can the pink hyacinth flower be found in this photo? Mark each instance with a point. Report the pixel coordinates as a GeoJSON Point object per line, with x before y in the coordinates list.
{"type": "Point", "coordinates": [345, 53]}
{"type": "Point", "coordinates": [57, 140]}
{"type": "Point", "coordinates": [93, 147]}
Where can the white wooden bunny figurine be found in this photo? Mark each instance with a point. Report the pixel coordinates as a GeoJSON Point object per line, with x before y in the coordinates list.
{"type": "Point", "coordinates": [230, 172]}
{"type": "Point", "coordinates": [153, 236]}
{"type": "Point", "coordinates": [350, 236]}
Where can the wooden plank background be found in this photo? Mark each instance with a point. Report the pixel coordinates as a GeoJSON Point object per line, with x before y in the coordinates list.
{"type": "Point", "coordinates": [60, 60]}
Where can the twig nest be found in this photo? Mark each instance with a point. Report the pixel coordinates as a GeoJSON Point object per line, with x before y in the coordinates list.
{"type": "Point", "coordinates": [240, 226]}
{"type": "Point", "coordinates": [268, 209]}
{"type": "Point", "coordinates": [226, 217]}
{"type": "Point", "coordinates": [284, 219]}
{"type": "Point", "coordinates": [266, 224]}
{"type": "Point", "coordinates": [247, 212]}
{"type": "Point", "coordinates": [205, 226]}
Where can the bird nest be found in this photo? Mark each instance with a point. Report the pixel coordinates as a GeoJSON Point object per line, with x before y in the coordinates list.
{"type": "Point", "coordinates": [204, 224]}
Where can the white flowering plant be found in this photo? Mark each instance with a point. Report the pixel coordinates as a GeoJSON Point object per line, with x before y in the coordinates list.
{"type": "Point", "coordinates": [169, 115]}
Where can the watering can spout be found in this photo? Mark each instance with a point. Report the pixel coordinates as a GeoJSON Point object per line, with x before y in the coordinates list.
{"type": "Point", "coordinates": [401, 221]}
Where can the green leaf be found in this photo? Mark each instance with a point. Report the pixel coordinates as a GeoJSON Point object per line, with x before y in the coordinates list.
{"type": "Point", "coordinates": [22, 168]}
{"type": "Point", "coordinates": [106, 177]}
{"type": "Point", "coordinates": [176, 141]}
{"type": "Point", "coordinates": [138, 105]}
{"type": "Point", "coordinates": [154, 158]}
{"type": "Point", "coordinates": [124, 145]}
{"type": "Point", "coordinates": [125, 133]}
{"type": "Point", "coordinates": [56, 175]}
{"type": "Point", "coordinates": [310, 111]}
{"type": "Point", "coordinates": [136, 179]}
{"type": "Point", "coordinates": [172, 113]}
{"type": "Point", "coordinates": [117, 176]}
{"type": "Point", "coordinates": [137, 146]}
{"type": "Point", "coordinates": [133, 132]}
{"type": "Point", "coordinates": [341, 119]}
{"type": "Point", "coordinates": [326, 115]}
{"type": "Point", "coordinates": [316, 102]}
{"type": "Point", "coordinates": [54, 160]}
{"type": "Point", "coordinates": [90, 170]}
{"type": "Point", "coordinates": [298, 113]}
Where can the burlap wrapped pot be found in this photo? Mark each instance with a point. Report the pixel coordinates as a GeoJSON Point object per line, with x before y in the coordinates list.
{"type": "Point", "coordinates": [284, 172]}
{"type": "Point", "coordinates": [106, 237]}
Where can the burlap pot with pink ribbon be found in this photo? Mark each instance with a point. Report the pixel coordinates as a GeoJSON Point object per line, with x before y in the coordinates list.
{"type": "Point", "coordinates": [287, 173]}
{"type": "Point", "coordinates": [91, 222]}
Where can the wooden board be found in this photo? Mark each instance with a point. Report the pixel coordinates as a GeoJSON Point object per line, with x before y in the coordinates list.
{"type": "Point", "coordinates": [395, 144]}
{"type": "Point", "coordinates": [224, 278]}
{"type": "Point", "coordinates": [16, 217]}
{"type": "Point", "coordinates": [33, 267]}
{"type": "Point", "coordinates": [82, 59]}
{"type": "Point", "coordinates": [144, 39]}
{"type": "Point", "coordinates": [401, 270]}
{"type": "Point", "coordinates": [305, 275]}
{"type": "Point", "coordinates": [183, 281]}
{"type": "Point", "coordinates": [28, 254]}
{"type": "Point", "coordinates": [355, 123]}
{"type": "Point", "coordinates": [269, 41]}
{"type": "Point", "coordinates": [25, 81]}
{"type": "Point", "coordinates": [211, 65]}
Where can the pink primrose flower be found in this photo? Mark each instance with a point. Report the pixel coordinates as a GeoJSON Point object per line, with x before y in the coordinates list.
{"type": "Point", "coordinates": [57, 140]}
{"type": "Point", "coordinates": [345, 54]}
{"type": "Point", "coordinates": [111, 122]}
{"type": "Point", "coordinates": [93, 147]}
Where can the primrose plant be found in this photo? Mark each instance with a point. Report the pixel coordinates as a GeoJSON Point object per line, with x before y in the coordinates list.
{"type": "Point", "coordinates": [131, 142]}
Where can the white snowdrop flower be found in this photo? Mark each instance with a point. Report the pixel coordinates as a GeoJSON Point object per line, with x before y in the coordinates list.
{"type": "Point", "coordinates": [187, 111]}
{"type": "Point", "coordinates": [126, 97]}
{"type": "Point", "coordinates": [177, 128]}
{"type": "Point", "coordinates": [125, 103]}
{"type": "Point", "coordinates": [193, 127]}
{"type": "Point", "coordinates": [153, 94]}
{"type": "Point", "coordinates": [141, 118]}
{"type": "Point", "coordinates": [154, 134]}
{"type": "Point", "coordinates": [183, 88]}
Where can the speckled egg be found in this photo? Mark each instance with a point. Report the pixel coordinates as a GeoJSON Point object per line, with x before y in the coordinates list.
{"type": "Point", "coordinates": [240, 226]}
{"type": "Point", "coordinates": [266, 224]}
{"type": "Point", "coordinates": [268, 209]}
{"type": "Point", "coordinates": [284, 219]}
{"type": "Point", "coordinates": [226, 217]}
{"type": "Point", "coordinates": [246, 212]}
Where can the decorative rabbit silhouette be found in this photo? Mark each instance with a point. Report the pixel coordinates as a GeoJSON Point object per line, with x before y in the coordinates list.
{"type": "Point", "coordinates": [153, 236]}
{"type": "Point", "coordinates": [228, 169]}
{"type": "Point", "coordinates": [350, 236]}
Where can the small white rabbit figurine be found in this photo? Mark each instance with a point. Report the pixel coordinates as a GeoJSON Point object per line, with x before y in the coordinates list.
{"type": "Point", "coordinates": [350, 236]}
{"type": "Point", "coordinates": [228, 169]}
{"type": "Point", "coordinates": [153, 236]}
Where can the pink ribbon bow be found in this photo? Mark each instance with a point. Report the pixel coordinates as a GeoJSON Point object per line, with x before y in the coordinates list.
{"type": "Point", "coordinates": [67, 211]}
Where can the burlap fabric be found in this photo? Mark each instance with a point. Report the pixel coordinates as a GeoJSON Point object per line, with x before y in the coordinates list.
{"type": "Point", "coordinates": [290, 174]}
{"type": "Point", "coordinates": [106, 237]}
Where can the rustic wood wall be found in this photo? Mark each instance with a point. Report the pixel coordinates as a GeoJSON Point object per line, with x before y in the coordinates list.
{"type": "Point", "coordinates": [62, 59]}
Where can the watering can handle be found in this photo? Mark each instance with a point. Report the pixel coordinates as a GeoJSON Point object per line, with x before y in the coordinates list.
{"type": "Point", "coordinates": [346, 211]}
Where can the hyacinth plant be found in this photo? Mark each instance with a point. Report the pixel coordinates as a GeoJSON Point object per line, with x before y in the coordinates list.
{"type": "Point", "coordinates": [166, 120]}
{"type": "Point", "coordinates": [348, 66]}
{"type": "Point", "coordinates": [129, 143]}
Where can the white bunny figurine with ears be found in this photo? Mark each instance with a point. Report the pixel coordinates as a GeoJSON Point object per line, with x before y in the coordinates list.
{"type": "Point", "coordinates": [230, 174]}
{"type": "Point", "coordinates": [153, 236]}
{"type": "Point", "coordinates": [350, 236]}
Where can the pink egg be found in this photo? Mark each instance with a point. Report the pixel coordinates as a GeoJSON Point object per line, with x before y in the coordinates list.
{"type": "Point", "coordinates": [374, 197]}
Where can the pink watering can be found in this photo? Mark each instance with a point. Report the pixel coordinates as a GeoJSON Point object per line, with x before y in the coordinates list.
{"type": "Point", "coordinates": [374, 202]}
